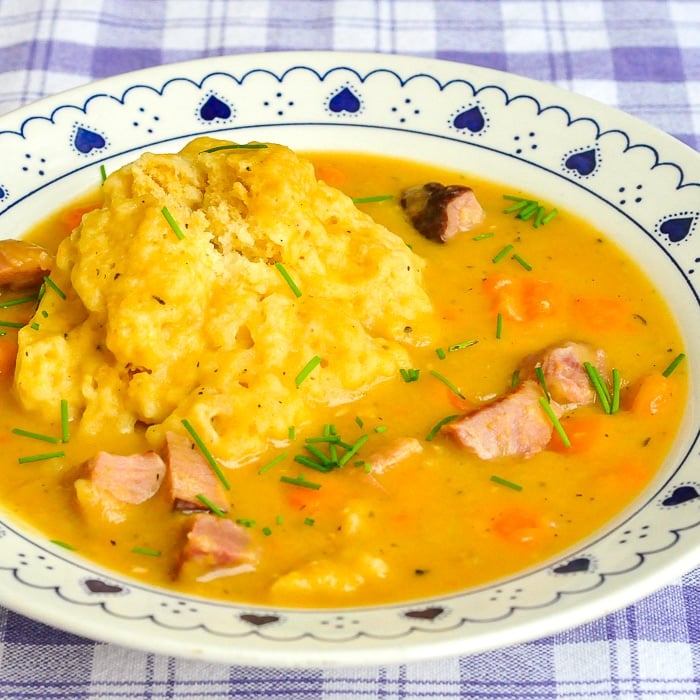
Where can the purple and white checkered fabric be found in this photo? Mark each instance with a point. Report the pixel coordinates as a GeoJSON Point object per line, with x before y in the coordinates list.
{"type": "Point", "coordinates": [642, 56]}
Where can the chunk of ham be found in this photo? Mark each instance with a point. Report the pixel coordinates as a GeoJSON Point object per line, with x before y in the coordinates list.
{"type": "Point", "coordinates": [393, 453]}
{"type": "Point", "coordinates": [215, 548]}
{"type": "Point", "coordinates": [512, 425]}
{"type": "Point", "coordinates": [23, 265]}
{"type": "Point", "coordinates": [114, 483]}
{"type": "Point", "coordinates": [564, 372]}
{"type": "Point", "coordinates": [190, 475]}
{"type": "Point", "coordinates": [440, 212]}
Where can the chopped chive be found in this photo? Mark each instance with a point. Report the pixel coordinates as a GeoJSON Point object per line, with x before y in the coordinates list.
{"type": "Point", "coordinates": [505, 482]}
{"type": "Point", "coordinates": [528, 211]}
{"type": "Point", "coordinates": [447, 383]}
{"type": "Point", "coordinates": [381, 429]}
{"type": "Point", "coordinates": [287, 278]}
{"type": "Point", "coordinates": [279, 519]}
{"type": "Point", "coordinates": [324, 438]}
{"type": "Point", "coordinates": [520, 204]}
{"type": "Point", "coordinates": [245, 522]}
{"type": "Point", "coordinates": [50, 283]}
{"type": "Point", "coordinates": [550, 216]}
{"type": "Point", "coordinates": [211, 506]}
{"type": "Point", "coordinates": [266, 531]}
{"type": "Point", "coordinates": [513, 198]}
{"type": "Point", "coordinates": [502, 253]}
{"type": "Point", "coordinates": [313, 464]}
{"type": "Point", "coordinates": [436, 428]}
{"type": "Point", "coordinates": [146, 551]}
{"type": "Point", "coordinates": [21, 300]}
{"type": "Point", "coordinates": [41, 457]}
{"type": "Point", "coordinates": [482, 236]}
{"type": "Point", "coordinates": [35, 436]}
{"type": "Point", "coordinates": [524, 263]}
{"type": "Point", "coordinates": [410, 375]}
{"type": "Point", "coordinates": [207, 454]}
{"type": "Point", "coordinates": [499, 326]}
{"type": "Point", "coordinates": [309, 521]}
{"type": "Point", "coordinates": [462, 346]}
{"type": "Point", "coordinates": [172, 223]}
{"type": "Point", "coordinates": [555, 421]}
{"type": "Point", "coordinates": [515, 379]}
{"type": "Point", "coordinates": [440, 353]}
{"type": "Point", "coordinates": [300, 481]}
{"type": "Point", "coordinates": [12, 324]}
{"type": "Point", "coordinates": [669, 370]}
{"type": "Point", "coordinates": [375, 198]}
{"type": "Point", "coordinates": [318, 454]}
{"type": "Point", "coordinates": [34, 326]}
{"type": "Point", "coordinates": [307, 369]}
{"type": "Point", "coordinates": [65, 545]}
{"type": "Point", "coordinates": [65, 426]}
{"type": "Point", "coordinates": [44, 313]}
{"type": "Point", "coordinates": [538, 217]}
{"type": "Point", "coordinates": [616, 383]}
{"type": "Point", "coordinates": [235, 146]}
{"type": "Point", "coordinates": [353, 450]}
{"type": "Point", "coordinates": [599, 385]}
{"type": "Point", "coordinates": [103, 173]}
{"type": "Point", "coordinates": [359, 422]}
{"type": "Point", "coordinates": [276, 460]}
{"type": "Point", "coordinates": [2, 333]}
{"type": "Point", "coordinates": [291, 432]}
{"type": "Point", "coordinates": [543, 383]}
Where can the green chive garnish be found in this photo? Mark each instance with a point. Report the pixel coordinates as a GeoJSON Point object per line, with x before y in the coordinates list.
{"type": "Point", "coordinates": [146, 551]}
{"type": "Point", "coordinates": [34, 326]}
{"type": "Point", "coordinates": [103, 173]}
{"type": "Point", "coordinates": [266, 531]}
{"type": "Point", "coordinates": [499, 326]}
{"type": "Point", "coordinates": [502, 253]}
{"type": "Point", "coordinates": [309, 521]}
{"type": "Point", "coordinates": [353, 450]}
{"type": "Point", "coordinates": [35, 436]}
{"type": "Point", "coordinates": [539, 217]}
{"type": "Point", "coordinates": [410, 375]}
{"type": "Point", "coordinates": [211, 506]}
{"type": "Point", "coordinates": [207, 454]}
{"type": "Point", "coordinates": [313, 464]}
{"type": "Point", "coordinates": [447, 383]}
{"type": "Point", "coordinates": [276, 460]}
{"type": "Point", "coordinates": [482, 236]}
{"type": "Point", "coordinates": [65, 545]}
{"type": "Point", "coordinates": [288, 279]}
{"type": "Point", "coordinates": [50, 283]}
{"type": "Point", "coordinates": [65, 427]}
{"type": "Point", "coordinates": [462, 346]}
{"type": "Point", "coordinates": [505, 482]}
{"type": "Point", "coordinates": [291, 432]}
{"type": "Point", "coordinates": [515, 379]}
{"type": "Point", "coordinates": [246, 522]}
{"type": "Point", "coordinates": [679, 358]}
{"type": "Point", "coordinates": [306, 371]}
{"type": "Point", "coordinates": [172, 223]}
{"type": "Point", "coordinates": [519, 204]}
{"type": "Point", "coordinates": [436, 428]}
{"type": "Point", "coordinates": [300, 481]}
{"type": "Point", "coordinates": [599, 385]}
{"type": "Point", "coordinates": [550, 216]}
{"type": "Point", "coordinates": [11, 324]}
{"type": "Point", "coordinates": [235, 146]}
{"type": "Point", "coordinates": [524, 263]}
{"type": "Point", "coordinates": [381, 429]}
{"type": "Point", "coordinates": [375, 198]}
{"type": "Point", "coordinates": [528, 211]}
{"type": "Point", "coordinates": [555, 421]}
{"type": "Point", "coordinates": [543, 382]}
{"type": "Point", "coordinates": [278, 520]}
{"type": "Point", "coordinates": [359, 422]}
{"type": "Point", "coordinates": [21, 300]}
{"type": "Point", "coordinates": [440, 353]}
{"type": "Point", "coordinates": [41, 457]}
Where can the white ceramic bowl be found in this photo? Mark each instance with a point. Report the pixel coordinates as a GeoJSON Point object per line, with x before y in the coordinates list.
{"type": "Point", "coordinates": [640, 186]}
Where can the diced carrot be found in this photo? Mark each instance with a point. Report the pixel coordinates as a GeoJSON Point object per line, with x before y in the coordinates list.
{"type": "Point", "coordinates": [520, 526]}
{"type": "Point", "coordinates": [72, 218]}
{"type": "Point", "coordinates": [603, 313]}
{"type": "Point", "coordinates": [523, 298]}
{"type": "Point", "coordinates": [8, 357]}
{"type": "Point", "coordinates": [584, 432]}
{"type": "Point", "coordinates": [330, 175]}
{"type": "Point", "coordinates": [652, 395]}
{"type": "Point", "coordinates": [458, 402]}
{"type": "Point", "coordinates": [302, 498]}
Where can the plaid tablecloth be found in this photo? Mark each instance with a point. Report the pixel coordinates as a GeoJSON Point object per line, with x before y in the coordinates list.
{"type": "Point", "coordinates": [640, 55]}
